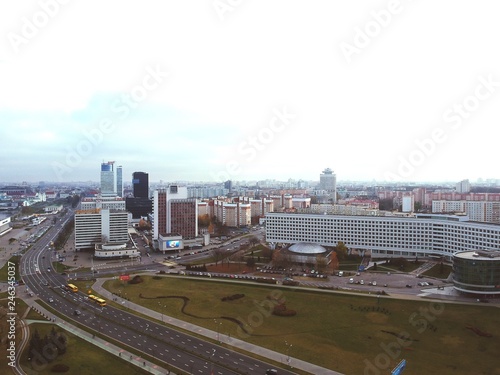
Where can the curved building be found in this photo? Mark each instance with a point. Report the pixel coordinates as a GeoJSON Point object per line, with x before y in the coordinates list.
{"type": "Point", "coordinates": [307, 248]}
{"type": "Point", "coordinates": [477, 272]}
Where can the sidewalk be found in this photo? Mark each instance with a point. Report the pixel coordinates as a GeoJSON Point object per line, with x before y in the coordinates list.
{"type": "Point", "coordinates": [101, 343]}
{"type": "Point", "coordinates": [231, 341]}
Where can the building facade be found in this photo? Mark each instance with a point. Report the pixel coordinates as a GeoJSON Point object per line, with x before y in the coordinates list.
{"type": "Point", "coordinates": [477, 272]}
{"type": "Point", "coordinates": [328, 182]}
{"type": "Point", "coordinates": [420, 235]}
{"type": "Point", "coordinates": [100, 226]}
{"type": "Point", "coordinates": [108, 179]}
{"type": "Point", "coordinates": [482, 211]}
{"type": "Point", "coordinates": [140, 184]}
{"type": "Point", "coordinates": [168, 204]}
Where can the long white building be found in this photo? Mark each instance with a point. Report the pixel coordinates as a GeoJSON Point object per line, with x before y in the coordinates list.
{"type": "Point", "coordinates": [421, 235]}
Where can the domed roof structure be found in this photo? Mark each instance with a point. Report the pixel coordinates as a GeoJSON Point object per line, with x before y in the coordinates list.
{"type": "Point", "coordinates": [307, 248]}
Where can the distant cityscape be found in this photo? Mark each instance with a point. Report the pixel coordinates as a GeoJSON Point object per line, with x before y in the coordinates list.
{"type": "Point", "coordinates": [460, 221]}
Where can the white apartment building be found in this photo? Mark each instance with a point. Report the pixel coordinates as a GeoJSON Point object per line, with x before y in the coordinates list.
{"type": "Point", "coordinates": [482, 211]}
{"type": "Point", "coordinates": [107, 203]}
{"type": "Point", "coordinates": [100, 226]}
{"type": "Point", "coordinates": [421, 235]}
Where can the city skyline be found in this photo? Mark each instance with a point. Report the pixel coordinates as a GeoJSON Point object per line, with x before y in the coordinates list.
{"type": "Point", "coordinates": [249, 91]}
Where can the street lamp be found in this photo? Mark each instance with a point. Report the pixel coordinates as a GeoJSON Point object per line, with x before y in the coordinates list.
{"type": "Point", "coordinates": [217, 324]}
{"type": "Point", "coordinates": [288, 352]}
{"type": "Point", "coordinates": [161, 311]}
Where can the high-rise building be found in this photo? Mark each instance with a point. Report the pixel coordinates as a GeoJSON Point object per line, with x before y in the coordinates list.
{"type": "Point", "coordinates": [463, 186]}
{"type": "Point", "coordinates": [119, 181]}
{"type": "Point", "coordinates": [163, 220]}
{"type": "Point", "coordinates": [183, 218]}
{"type": "Point", "coordinates": [140, 184]}
{"type": "Point", "coordinates": [328, 182]}
{"type": "Point", "coordinates": [108, 178]}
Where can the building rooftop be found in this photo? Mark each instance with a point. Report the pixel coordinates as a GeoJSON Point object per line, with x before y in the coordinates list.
{"type": "Point", "coordinates": [307, 248]}
{"type": "Point", "coordinates": [479, 254]}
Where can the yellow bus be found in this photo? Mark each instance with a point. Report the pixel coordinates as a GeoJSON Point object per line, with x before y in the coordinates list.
{"type": "Point", "coordinates": [97, 300]}
{"type": "Point", "coordinates": [73, 288]}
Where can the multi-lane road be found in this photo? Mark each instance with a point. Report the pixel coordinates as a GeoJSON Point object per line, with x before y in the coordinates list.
{"type": "Point", "coordinates": [168, 345]}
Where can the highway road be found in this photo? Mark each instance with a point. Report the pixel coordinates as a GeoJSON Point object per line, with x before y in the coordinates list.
{"type": "Point", "coordinates": [168, 345]}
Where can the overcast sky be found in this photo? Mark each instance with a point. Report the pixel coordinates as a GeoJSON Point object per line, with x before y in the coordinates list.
{"type": "Point", "coordinates": [250, 90]}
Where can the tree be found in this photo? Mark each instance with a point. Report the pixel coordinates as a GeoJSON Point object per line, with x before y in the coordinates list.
{"type": "Point", "coordinates": [334, 262]}
{"type": "Point", "coordinates": [321, 264]}
{"type": "Point", "coordinates": [218, 255]}
{"type": "Point", "coordinates": [251, 262]}
{"type": "Point", "coordinates": [204, 220]}
{"type": "Point", "coordinates": [253, 240]}
{"type": "Point", "coordinates": [267, 253]}
{"type": "Point", "coordinates": [341, 250]}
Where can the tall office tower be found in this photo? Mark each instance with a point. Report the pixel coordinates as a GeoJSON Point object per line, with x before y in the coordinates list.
{"type": "Point", "coordinates": [159, 213]}
{"type": "Point", "coordinates": [140, 184]}
{"type": "Point", "coordinates": [328, 182]}
{"type": "Point", "coordinates": [108, 181]}
{"type": "Point", "coordinates": [463, 186]}
{"type": "Point", "coordinates": [163, 219]}
{"type": "Point", "coordinates": [183, 218]}
{"type": "Point", "coordinates": [119, 181]}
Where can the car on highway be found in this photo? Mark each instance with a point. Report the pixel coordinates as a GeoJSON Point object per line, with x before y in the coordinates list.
{"type": "Point", "coordinates": [51, 299]}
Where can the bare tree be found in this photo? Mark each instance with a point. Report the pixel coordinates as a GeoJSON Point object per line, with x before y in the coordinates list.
{"type": "Point", "coordinates": [218, 255]}
{"type": "Point", "coordinates": [321, 264]}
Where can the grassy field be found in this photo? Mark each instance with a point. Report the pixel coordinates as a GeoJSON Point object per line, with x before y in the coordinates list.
{"type": "Point", "coordinates": [438, 271]}
{"type": "Point", "coordinates": [340, 332]}
{"type": "Point", "coordinates": [4, 277]}
{"type": "Point", "coordinates": [82, 357]}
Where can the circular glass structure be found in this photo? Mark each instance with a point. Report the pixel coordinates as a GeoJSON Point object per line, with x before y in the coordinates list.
{"type": "Point", "coordinates": [477, 272]}
{"type": "Point", "coordinates": [307, 248]}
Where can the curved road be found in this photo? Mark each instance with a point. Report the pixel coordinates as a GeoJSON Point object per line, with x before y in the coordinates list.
{"type": "Point", "coordinates": [175, 348]}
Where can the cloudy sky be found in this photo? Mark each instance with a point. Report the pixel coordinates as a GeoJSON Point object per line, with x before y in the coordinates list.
{"type": "Point", "coordinates": [212, 90]}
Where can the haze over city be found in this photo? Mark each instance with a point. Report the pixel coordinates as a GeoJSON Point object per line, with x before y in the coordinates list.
{"type": "Point", "coordinates": [378, 91]}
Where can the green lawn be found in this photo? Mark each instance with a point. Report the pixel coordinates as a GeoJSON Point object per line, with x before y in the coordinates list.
{"type": "Point", "coordinates": [439, 271]}
{"type": "Point", "coordinates": [4, 271]}
{"type": "Point", "coordinates": [82, 357]}
{"type": "Point", "coordinates": [340, 332]}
